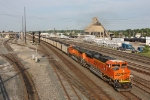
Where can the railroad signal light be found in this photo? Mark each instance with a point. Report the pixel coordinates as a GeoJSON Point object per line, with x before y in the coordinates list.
{"type": "Point", "coordinates": [33, 36]}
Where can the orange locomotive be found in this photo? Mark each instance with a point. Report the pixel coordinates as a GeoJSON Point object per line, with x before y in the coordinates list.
{"type": "Point", "coordinates": [115, 72]}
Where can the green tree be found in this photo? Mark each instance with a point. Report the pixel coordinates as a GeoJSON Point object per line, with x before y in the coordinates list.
{"type": "Point", "coordinates": [125, 34]}
{"type": "Point", "coordinates": [70, 34]}
{"type": "Point", "coordinates": [65, 34]}
{"type": "Point", "coordinates": [116, 34]}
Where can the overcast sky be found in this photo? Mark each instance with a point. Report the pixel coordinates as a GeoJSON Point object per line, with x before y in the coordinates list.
{"type": "Point", "coordinates": [74, 14]}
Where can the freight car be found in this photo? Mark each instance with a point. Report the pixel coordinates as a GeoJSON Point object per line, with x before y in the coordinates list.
{"type": "Point", "coordinates": [112, 70]}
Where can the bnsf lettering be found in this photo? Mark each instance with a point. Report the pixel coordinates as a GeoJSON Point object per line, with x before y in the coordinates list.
{"type": "Point", "coordinates": [120, 74]}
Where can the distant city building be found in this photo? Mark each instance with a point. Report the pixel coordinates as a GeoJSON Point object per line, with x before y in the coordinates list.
{"type": "Point", "coordinates": [96, 28]}
{"type": "Point", "coordinates": [45, 34]}
{"type": "Point", "coordinates": [138, 35]}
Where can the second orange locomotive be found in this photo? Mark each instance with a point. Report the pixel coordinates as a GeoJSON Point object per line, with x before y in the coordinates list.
{"type": "Point", "coordinates": [113, 71]}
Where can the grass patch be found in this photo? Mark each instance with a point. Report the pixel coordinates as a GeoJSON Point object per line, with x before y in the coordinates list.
{"type": "Point", "coordinates": [145, 54]}
{"type": "Point", "coordinates": [146, 51]}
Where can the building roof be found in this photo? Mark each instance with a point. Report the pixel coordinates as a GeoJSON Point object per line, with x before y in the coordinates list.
{"type": "Point", "coordinates": [95, 26]}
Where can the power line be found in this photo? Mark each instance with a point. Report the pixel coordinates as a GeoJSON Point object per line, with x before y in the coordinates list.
{"type": "Point", "coordinates": [10, 15]}
{"type": "Point", "coordinates": [11, 4]}
{"type": "Point", "coordinates": [25, 23]}
{"type": "Point", "coordinates": [3, 11]}
{"type": "Point", "coordinates": [8, 8]}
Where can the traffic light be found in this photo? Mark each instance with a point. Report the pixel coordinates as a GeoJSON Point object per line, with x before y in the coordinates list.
{"type": "Point", "coordinates": [33, 36]}
{"type": "Point", "coordinates": [39, 36]}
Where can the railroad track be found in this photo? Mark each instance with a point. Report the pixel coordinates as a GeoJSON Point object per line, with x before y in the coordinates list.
{"type": "Point", "coordinates": [130, 96]}
{"type": "Point", "coordinates": [61, 72]}
{"type": "Point", "coordinates": [142, 84]}
{"type": "Point", "coordinates": [29, 87]}
{"type": "Point", "coordinates": [139, 68]}
{"type": "Point", "coordinates": [7, 46]}
{"type": "Point", "coordinates": [94, 92]}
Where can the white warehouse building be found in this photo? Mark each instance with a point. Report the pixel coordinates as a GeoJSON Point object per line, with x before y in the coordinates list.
{"type": "Point", "coordinates": [148, 41]}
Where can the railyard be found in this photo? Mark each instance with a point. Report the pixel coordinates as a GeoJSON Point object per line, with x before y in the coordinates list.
{"type": "Point", "coordinates": [74, 50]}
{"type": "Point", "coordinates": [56, 76]}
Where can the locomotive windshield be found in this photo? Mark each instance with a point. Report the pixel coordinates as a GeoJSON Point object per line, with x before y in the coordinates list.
{"type": "Point", "coordinates": [124, 65]}
{"type": "Point", "coordinates": [115, 66]}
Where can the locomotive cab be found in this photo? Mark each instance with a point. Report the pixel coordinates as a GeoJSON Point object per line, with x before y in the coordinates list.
{"type": "Point", "coordinates": [121, 75]}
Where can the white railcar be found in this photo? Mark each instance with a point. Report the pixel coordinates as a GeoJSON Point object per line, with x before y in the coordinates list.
{"type": "Point", "coordinates": [45, 39]}
{"type": "Point", "coordinates": [59, 45]}
{"type": "Point", "coordinates": [55, 43]}
{"type": "Point", "coordinates": [41, 38]}
{"type": "Point", "coordinates": [65, 48]}
{"type": "Point", "coordinates": [49, 40]}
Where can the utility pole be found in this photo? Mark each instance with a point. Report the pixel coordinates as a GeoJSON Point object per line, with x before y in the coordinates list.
{"type": "Point", "coordinates": [129, 33]}
{"type": "Point", "coordinates": [54, 30]}
{"type": "Point", "coordinates": [147, 32]}
{"type": "Point", "coordinates": [22, 28]}
{"type": "Point", "coordinates": [25, 23]}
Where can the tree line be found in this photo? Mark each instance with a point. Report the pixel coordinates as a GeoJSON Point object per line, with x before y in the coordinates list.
{"type": "Point", "coordinates": [117, 33]}
{"type": "Point", "coordinates": [131, 32]}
